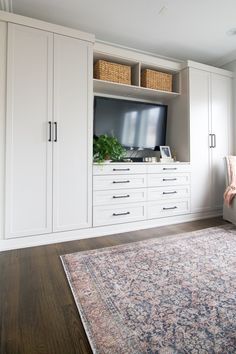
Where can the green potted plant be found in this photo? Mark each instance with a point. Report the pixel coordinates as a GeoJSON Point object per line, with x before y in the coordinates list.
{"type": "Point", "coordinates": [107, 148]}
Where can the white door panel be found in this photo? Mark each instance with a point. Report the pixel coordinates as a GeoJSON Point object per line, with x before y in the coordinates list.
{"type": "Point", "coordinates": [220, 98]}
{"type": "Point", "coordinates": [71, 157]}
{"type": "Point", "coordinates": [28, 152]}
{"type": "Point", "coordinates": [199, 137]}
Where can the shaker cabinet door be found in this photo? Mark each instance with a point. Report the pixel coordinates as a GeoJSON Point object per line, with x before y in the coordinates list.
{"type": "Point", "coordinates": [199, 137]}
{"type": "Point", "coordinates": [28, 152]}
{"type": "Point", "coordinates": [221, 127]}
{"type": "Point", "coordinates": [72, 155]}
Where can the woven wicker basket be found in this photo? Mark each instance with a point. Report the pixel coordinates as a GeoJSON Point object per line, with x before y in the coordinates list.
{"type": "Point", "coordinates": [107, 71]}
{"type": "Point", "coordinates": [156, 80]}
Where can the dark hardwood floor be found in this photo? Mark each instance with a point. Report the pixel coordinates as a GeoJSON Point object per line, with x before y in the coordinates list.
{"type": "Point", "coordinates": [37, 310]}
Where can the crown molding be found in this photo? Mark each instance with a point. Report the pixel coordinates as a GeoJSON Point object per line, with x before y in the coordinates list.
{"type": "Point", "coordinates": [153, 54]}
{"type": "Point", "coordinates": [46, 26]}
{"type": "Point", "coordinates": [6, 5]}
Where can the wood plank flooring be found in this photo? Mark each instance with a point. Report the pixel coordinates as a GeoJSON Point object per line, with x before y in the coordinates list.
{"type": "Point", "coordinates": [37, 310]}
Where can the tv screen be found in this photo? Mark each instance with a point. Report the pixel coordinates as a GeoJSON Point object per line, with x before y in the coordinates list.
{"type": "Point", "coordinates": [134, 124]}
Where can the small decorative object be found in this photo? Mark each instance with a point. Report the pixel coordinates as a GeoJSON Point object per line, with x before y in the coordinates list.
{"type": "Point", "coordinates": [165, 154]}
{"type": "Point", "coordinates": [107, 148]}
{"type": "Point", "coordinates": [156, 80]}
{"type": "Point", "coordinates": [107, 71]}
{"type": "Point", "coordinates": [174, 154]}
{"type": "Point", "coordinates": [147, 159]}
{"type": "Point", "coordinates": [165, 151]}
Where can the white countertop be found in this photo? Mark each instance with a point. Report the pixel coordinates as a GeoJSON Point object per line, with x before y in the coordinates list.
{"type": "Point", "coordinates": [141, 163]}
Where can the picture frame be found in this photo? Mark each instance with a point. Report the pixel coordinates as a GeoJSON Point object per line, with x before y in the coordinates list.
{"type": "Point", "coordinates": [165, 152]}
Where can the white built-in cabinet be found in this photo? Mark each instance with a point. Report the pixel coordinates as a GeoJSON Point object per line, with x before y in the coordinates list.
{"type": "Point", "coordinates": [48, 133]}
{"type": "Point", "coordinates": [46, 111]}
{"type": "Point", "coordinates": [210, 137]}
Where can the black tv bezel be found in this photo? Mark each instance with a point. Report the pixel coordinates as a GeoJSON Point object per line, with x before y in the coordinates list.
{"type": "Point", "coordinates": [157, 148]}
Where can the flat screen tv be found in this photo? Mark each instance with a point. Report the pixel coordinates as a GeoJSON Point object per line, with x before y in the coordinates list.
{"type": "Point", "coordinates": [135, 124]}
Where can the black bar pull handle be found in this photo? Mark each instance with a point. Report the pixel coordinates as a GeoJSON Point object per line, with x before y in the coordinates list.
{"type": "Point", "coordinates": [169, 168]}
{"type": "Point", "coordinates": [175, 207]}
{"type": "Point", "coordinates": [118, 214]}
{"type": "Point", "coordinates": [174, 192]}
{"type": "Point", "coordinates": [121, 182]}
{"type": "Point", "coordinates": [50, 131]}
{"type": "Point", "coordinates": [55, 132]}
{"type": "Point", "coordinates": [121, 169]}
{"type": "Point", "coordinates": [121, 196]}
{"type": "Point", "coordinates": [214, 140]}
{"type": "Point", "coordinates": [169, 179]}
{"type": "Point", "coordinates": [211, 141]}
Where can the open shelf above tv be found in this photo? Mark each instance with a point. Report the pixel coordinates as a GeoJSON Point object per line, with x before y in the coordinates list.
{"type": "Point", "coordinates": [131, 91]}
{"type": "Point", "coordinates": [132, 82]}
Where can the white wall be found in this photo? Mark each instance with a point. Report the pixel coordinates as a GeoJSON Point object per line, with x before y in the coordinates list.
{"type": "Point", "coordinates": [232, 67]}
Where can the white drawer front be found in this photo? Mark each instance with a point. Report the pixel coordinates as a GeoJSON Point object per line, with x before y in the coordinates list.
{"type": "Point", "coordinates": [170, 179]}
{"type": "Point", "coordinates": [119, 182]}
{"type": "Point", "coordinates": [171, 168]}
{"type": "Point", "coordinates": [108, 215]}
{"type": "Point", "coordinates": [169, 192]}
{"type": "Point", "coordinates": [118, 169]}
{"type": "Point", "coordinates": [119, 197]}
{"type": "Point", "coordinates": [167, 208]}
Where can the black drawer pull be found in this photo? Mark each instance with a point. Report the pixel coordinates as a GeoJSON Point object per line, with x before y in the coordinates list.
{"type": "Point", "coordinates": [169, 168]}
{"type": "Point", "coordinates": [174, 192]}
{"type": "Point", "coordinates": [127, 213]}
{"type": "Point", "coordinates": [120, 181]}
{"type": "Point", "coordinates": [121, 169]}
{"type": "Point", "coordinates": [121, 196]}
{"type": "Point", "coordinates": [175, 207]}
{"type": "Point", "coordinates": [169, 179]}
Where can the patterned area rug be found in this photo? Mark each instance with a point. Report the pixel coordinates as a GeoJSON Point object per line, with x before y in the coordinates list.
{"type": "Point", "coordinates": [173, 294]}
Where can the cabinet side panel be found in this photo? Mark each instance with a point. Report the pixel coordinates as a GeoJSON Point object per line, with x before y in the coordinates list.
{"type": "Point", "coordinates": [3, 37]}
{"type": "Point", "coordinates": [178, 122]}
{"type": "Point", "coordinates": [72, 151]}
{"type": "Point", "coordinates": [28, 152]}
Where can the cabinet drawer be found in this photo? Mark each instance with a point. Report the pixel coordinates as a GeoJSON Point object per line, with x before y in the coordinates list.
{"type": "Point", "coordinates": [119, 197]}
{"type": "Point", "coordinates": [169, 192]}
{"type": "Point", "coordinates": [108, 215]}
{"type": "Point", "coordinates": [170, 179]}
{"type": "Point", "coordinates": [167, 208]}
{"type": "Point", "coordinates": [118, 169]}
{"type": "Point", "coordinates": [171, 168]}
{"type": "Point", "coordinates": [119, 182]}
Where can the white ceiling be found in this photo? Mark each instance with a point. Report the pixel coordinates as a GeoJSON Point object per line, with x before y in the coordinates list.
{"type": "Point", "coordinates": [182, 29]}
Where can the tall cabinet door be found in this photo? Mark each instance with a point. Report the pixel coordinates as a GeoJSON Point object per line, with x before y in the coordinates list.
{"type": "Point", "coordinates": [199, 133]}
{"type": "Point", "coordinates": [28, 152]}
{"type": "Point", "coordinates": [220, 122]}
{"type": "Point", "coordinates": [72, 154]}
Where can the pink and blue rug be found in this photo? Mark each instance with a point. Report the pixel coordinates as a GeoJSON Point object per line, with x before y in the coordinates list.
{"type": "Point", "coordinates": [168, 295]}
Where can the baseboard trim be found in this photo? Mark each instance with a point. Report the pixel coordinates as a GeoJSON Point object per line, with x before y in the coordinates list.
{"type": "Point", "coordinates": [45, 239]}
